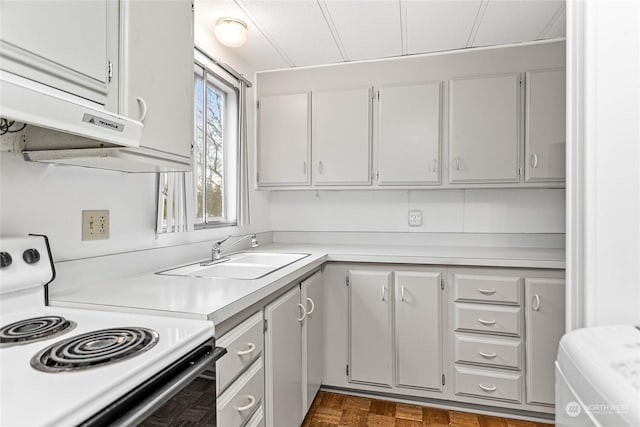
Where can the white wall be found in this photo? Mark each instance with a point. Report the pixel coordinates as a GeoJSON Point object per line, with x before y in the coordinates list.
{"type": "Point", "coordinates": [48, 199]}
{"type": "Point", "coordinates": [515, 211]}
{"type": "Point", "coordinates": [603, 111]}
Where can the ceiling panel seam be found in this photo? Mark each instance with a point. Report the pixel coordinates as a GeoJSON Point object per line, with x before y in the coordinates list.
{"type": "Point", "coordinates": [264, 33]}
{"type": "Point", "coordinates": [403, 27]}
{"type": "Point", "coordinates": [332, 28]}
{"type": "Point", "coordinates": [551, 22]}
{"type": "Point", "coordinates": [476, 24]}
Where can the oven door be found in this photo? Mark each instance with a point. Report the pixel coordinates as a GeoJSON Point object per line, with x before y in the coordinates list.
{"type": "Point", "coordinates": [155, 402]}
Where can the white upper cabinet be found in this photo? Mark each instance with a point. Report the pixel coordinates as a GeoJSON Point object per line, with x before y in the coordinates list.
{"type": "Point", "coordinates": [284, 134]}
{"type": "Point", "coordinates": [484, 129]}
{"type": "Point", "coordinates": [409, 134]}
{"type": "Point", "coordinates": [545, 136]}
{"type": "Point", "coordinates": [342, 137]}
{"type": "Point", "coordinates": [157, 73]}
{"type": "Point", "coordinates": [80, 43]}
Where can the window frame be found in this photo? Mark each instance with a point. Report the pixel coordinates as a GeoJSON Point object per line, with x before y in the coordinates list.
{"type": "Point", "coordinates": [230, 144]}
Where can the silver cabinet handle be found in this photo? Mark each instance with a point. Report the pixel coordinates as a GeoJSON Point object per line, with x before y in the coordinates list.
{"type": "Point", "coordinates": [487, 291]}
{"type": "Point", "coordinates": [304, 167]}
{"type": "Point", "coordinates": [313, 306]}
{"type": "Point", "coordinates": [303, 311]}
{"type": "Point", "coordinates": [402, 293]}
{"type": "Point", "coordinates": [143, 107]}
{"type": "Point", "coordinates": [434, 165]}
{"type": "Point", "coordinates": [320, 167]}
{"type": "Point", "coordinates": [251, 404]}
{"type": "Point", "coordinates": [536, 302]}
{"type": "Point", "coordinates": [485, 388]}
{"type": "Point", "coordinates": [487, 322]}
{"type": "Point", "coordinates": [457, 163]}
{"type": "Point", "coordinates": [487, 355]}
{"type": "Point", "coordinates": [534, 160]}
{"type": "Point", "coordinates": [250, 348]}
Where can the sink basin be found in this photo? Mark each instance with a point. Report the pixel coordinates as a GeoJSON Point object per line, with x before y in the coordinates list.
{"type": "Point", "coordinates": [242, 265]}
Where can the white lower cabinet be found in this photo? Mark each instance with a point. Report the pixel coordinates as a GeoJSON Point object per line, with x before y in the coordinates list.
{"type": "Point", "coordinates": [293, 347]}
{"type": "Point", "coordinates": [544, 316]}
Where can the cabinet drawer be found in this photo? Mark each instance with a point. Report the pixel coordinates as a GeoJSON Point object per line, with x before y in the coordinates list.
{"type": "Point", "coordinates": [498, 352]}
{"type": "Point", "coordinates": [244, 344]}
{"type": "Point", "coordinates": [488, 384]}
{"type": "Point", "coordinates": [499, 289]}
{"type": "Point", "coordinates": [488, 318]}
{"type": "Point", "coordinates": [242, 397]}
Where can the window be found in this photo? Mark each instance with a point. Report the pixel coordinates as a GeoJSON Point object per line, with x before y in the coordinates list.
{"type": "Point", "coordinates": [215, 149]}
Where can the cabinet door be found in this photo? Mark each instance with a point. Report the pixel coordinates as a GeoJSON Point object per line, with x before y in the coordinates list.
{"type": "Point", "coordinates": [370, 345]}
{"type": "Point", "coordinates": [64, 44]}
{"type": "Point", "coordinates": [484, 129]}
{"type": "Point", "coordinates": [342, 137]}
{"type": "Point", "coordinates": [284, 134]}
{"type": "Point", "coordinates": [312, 339]}
{"type": "Point", "coordinates": [283, 360]}
{"type": "Point", "coordinates": [545, 136]}
{"type": "Point", "coordinates": [409, 135]}
{"type": "Point", "coordinates": [418, 326]}
{"type": "Point", "coordinates": [544, 317]}
{"type": "Point", "coordinates": [157, 64]}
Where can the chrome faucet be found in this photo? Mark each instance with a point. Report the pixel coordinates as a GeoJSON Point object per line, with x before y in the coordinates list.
{"type": "Point", "coordinates": [216, 250]}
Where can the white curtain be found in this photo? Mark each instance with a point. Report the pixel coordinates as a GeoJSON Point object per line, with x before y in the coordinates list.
{"type": "Point", "coordinates": [175, 201]}
{"type": "Point", "coordinates": [244, 214]}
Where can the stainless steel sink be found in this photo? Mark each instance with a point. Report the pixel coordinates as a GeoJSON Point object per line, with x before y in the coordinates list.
{"type": "Point", "coordinates": [241, 265]}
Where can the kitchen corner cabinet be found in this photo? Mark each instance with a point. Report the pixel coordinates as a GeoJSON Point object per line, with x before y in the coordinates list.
{"type": "Point", "coordinates": [284, 140]}
{"type": "Point", "coordinates": [293, 352]}
{"type": "Point", "coordinates": [157, 74]}
{"type": "Point", "coordinates": [545, 133]}
{"type": "Point", "coordinates": [544, 317]}
{"type": "Point", "coordinates": [409, 134]}
{"type": "Point", "coordinates": [79, 54]}
{"type": "Point", "coordinates": [341, 135]}
{"type": "Point", "coordinates": [484, 129]}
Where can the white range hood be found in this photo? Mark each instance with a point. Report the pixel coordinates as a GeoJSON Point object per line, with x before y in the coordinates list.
{"type": "Point", "coordinates": [29, 102]}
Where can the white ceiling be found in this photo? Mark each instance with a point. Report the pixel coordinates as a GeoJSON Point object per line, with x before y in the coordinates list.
{"type": "Point", "coordinates": [295, 33]}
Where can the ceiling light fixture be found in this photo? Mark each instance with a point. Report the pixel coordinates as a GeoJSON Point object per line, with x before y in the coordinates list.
{"type": "Point", "coordinates": [231, 32]}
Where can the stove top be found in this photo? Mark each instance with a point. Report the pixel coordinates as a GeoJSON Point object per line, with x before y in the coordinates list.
{"type": "Point", "coordinates": [89, 360]}
{"type": "Point", "coordinates": [34, 329]}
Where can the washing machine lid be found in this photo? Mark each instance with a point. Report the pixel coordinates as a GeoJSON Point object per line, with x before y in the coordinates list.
{"type": "Point", "coordinates": [602, 367]}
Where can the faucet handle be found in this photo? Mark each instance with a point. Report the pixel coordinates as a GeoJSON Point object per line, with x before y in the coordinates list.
{"type": "Point", "coordinates": [254, 241]}
{"type": "Point", "coordinates": [223, 240]}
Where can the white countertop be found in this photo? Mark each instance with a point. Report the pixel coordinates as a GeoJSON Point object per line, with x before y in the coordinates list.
{"type": "Point", "coordinates": [220, 299]}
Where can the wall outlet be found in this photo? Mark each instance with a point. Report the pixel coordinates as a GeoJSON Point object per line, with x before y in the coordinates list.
{"type": "Point", "coordinates": [415, 218]}
{"type": "Point", "coordinates": [95, 225]}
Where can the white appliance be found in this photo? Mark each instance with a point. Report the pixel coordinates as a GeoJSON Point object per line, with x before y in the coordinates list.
{"type": "Point", "coordinates": [598, 377]}
{"type": "Point", "coordinates": [112, 383]}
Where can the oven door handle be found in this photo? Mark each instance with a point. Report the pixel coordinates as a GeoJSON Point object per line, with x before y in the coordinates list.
{"type": "Point", "coordinates": [162, 395]}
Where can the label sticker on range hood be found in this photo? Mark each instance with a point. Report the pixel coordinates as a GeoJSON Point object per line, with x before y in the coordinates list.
{"type": "Point", "coordinates": [98, 121]}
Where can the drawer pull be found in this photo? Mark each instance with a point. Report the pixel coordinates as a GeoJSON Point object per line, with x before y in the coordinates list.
{"type": "Point", "coordinates": [250, 348]}
{"type": "Point", "coordinates": [536, 302]}
{"type": "Point", "coordinates": [489, 389]}
{"type": "Point", "coordinates": [487, 355]}
{"type": "Point", "coordinates": [487, 291]}
{"type": "Point", "coordinates": [402, 293]}
{"type": "Point", "coordinates": [251, 404]}
{"type": "Point", "coordinates": [487, 322]}
{"type": "Point", "coordinates": [313, 306]}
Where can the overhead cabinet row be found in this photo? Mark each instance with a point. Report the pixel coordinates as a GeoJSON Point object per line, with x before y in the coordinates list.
{"type": "Point", "coordinates": [497, 133]}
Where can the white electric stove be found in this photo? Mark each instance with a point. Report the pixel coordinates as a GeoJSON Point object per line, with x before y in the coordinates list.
{"type": "Point", "coordinates": [96, 368]}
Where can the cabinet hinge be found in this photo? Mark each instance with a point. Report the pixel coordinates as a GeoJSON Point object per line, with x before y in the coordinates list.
{"type": "Point", "coordinates": [519, 171]}
{"type": "Point", "coordinates": [258, 105]}
{"type": "Point", "coordinates": [347, 370]}
{"type": "Point", "coordinates": [378, 176]}
{"type": "Point", "coordinates": [347, 280]}
{"type": "Point", "coordinates": [110, 70]}
{"type": "Point", "coordinates": [378, 95]}
{"type": "Point", "coordinates": [521, 83]}
{"type": "Point", "coordinates": [442, 379]}
{"type": "Point", "coordinates": [442, 284]}
{"type": "Point", "coordinates": [265, 325]}
{"type": "Point", "coordinates": [257, 176]}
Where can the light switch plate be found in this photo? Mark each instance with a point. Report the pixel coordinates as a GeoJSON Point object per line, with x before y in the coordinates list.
{"type": "Point", "coordinates": [95, 225]}
{"type": "Point", "coordinates": [415, 218]}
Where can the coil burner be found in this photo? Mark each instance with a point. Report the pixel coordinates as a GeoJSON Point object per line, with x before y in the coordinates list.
{"type": "Point", "coordinates": [93, 349]}
{"type": "Point", "coordinates": [34, 329]}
